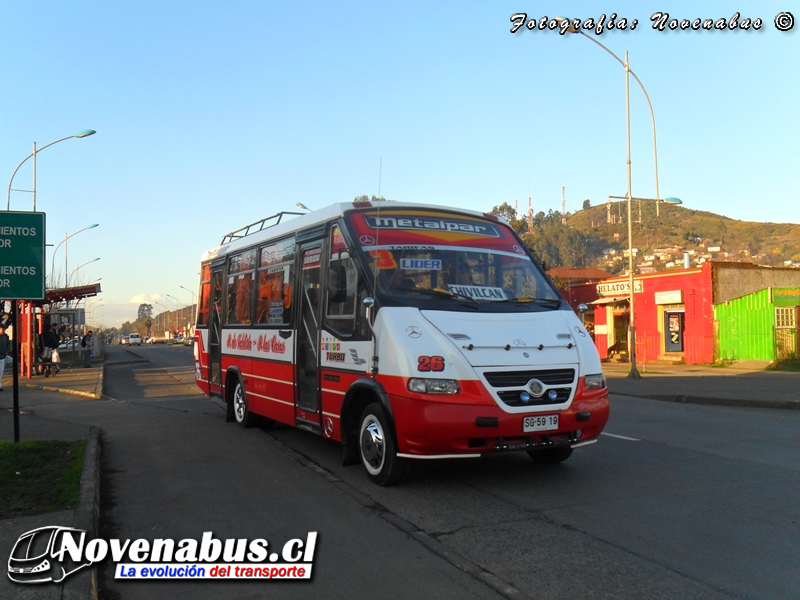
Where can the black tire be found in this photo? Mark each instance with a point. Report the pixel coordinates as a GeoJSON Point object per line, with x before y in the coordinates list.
{"type": "Point", "coordinates": [238, 400]}
{"type": "Point", "coordinates": [378, 448]}
{"type": "Point", "coordinates": [550, 456]}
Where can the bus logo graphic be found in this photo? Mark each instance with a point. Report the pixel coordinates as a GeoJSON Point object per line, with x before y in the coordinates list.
{"type": "Point", "coordinates": [39, 557]}
{"type": "Point", "coordinates": [356, 359]}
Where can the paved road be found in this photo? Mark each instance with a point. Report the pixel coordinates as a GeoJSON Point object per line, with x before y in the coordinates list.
{"type": "Point", "coordinates": [678, 501]}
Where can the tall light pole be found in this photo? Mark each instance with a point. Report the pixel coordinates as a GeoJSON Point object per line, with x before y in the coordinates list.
{"type": "Point", "coordinates": [80, 134]}
{"type": "Point", "coordinates": [94, 308]}
{"type": "Point", "coordinates": [191, 317]}
{"type": "Point", "coordinates": [634, 372]}
{"type": "Point", "coordinates": [573, 29]}
{"type": "Point", "coordinates": [80, 267]}
{"type": "Point", "coordinates": [177, 303]}
{"type": "Point", "coordinates": [191, 292]}
{"type": "Point", "coordinates": [53, 260]}
{"type": "Point", "coordinates": [166, 319]}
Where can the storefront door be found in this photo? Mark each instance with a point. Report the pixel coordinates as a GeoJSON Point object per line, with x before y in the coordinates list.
{"type": "Point", "coordinates": [673, 327]}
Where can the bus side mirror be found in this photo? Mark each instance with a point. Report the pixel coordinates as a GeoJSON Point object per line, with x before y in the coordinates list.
{"type": "Point", "coordinates": [369, 302]}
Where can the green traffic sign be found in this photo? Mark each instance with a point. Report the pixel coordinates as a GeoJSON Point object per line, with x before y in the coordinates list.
{"type": "Point", "coordinates": [22, 241]}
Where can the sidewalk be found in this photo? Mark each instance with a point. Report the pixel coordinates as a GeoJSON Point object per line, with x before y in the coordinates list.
{"type": "Point", "coordinates": [702, 384]}
{"type": "Point", "coordinates": [80, 381]}
{"type": "Point", "coordinates": [76, 380]}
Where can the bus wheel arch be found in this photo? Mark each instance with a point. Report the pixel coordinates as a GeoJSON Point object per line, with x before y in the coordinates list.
{"type": "Point", "coordinates": [361, 394]}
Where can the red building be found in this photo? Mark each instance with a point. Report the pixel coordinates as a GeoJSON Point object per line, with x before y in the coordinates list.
{"type": "Point", "coordinates": [675, 310]}
{"type": "Point", "coordinates": [674, 316]}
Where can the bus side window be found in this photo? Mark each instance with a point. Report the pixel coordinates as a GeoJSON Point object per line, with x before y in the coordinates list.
{"type": "Point", "coordinates": [340, 310]}
{"type": "Point", "coordinates": [342, 286]}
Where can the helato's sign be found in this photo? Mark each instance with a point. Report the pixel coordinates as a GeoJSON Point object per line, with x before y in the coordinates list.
{"type": "Point", "coordinates": [619, 288]}
{"type": "Point", "coordinates": [22, 242]}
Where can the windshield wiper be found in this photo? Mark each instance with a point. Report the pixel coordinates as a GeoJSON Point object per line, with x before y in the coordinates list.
{"type": "Point", "coordinates": [442, 293]}
{"type": "Point", "coordinates": [555, 303]}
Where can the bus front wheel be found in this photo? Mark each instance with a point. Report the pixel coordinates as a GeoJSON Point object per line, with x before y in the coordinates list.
{"type": "Point", "coordinates": [378, 448]}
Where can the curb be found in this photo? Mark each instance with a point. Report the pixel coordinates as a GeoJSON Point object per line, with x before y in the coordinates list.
{"type": "Point", "coordinates": [681, 399]}
{"type": "Point", "coordinates": [96, 395]}
{"type": "Point", "coordinates": [87, 517]}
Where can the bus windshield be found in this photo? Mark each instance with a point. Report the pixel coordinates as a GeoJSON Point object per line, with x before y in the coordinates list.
{"type": "Point", "coordinates": [436, 258]}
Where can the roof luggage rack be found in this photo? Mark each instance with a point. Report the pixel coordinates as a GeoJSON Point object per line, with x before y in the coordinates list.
{"type": "Point", "coordinates": [256, 227]}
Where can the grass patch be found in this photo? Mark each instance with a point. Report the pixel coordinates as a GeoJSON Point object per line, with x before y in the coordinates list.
{"type": "Point", "coordinates": [38, 477]}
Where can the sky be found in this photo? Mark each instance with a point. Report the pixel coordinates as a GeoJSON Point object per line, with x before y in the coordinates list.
{"type": "Point", "coordinates": [213, 115]}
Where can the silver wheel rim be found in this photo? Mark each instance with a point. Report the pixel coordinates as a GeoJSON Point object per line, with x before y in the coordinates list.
{"type": "Point", "coordinates": [372, 445]}
{"type": "Point", "coordinates": [238, 403]}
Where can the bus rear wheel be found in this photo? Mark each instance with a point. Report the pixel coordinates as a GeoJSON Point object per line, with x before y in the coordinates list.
{"type": "Point", "coordinates": [241, 412]}
{"type": "Point", "coordinates": [378, 448]}
{"type": "Point", "coordinates": [550, 456]}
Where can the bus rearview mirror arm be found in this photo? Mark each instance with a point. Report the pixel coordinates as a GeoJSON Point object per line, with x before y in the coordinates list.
{"type": "Point", "coordinates": [369, 302]}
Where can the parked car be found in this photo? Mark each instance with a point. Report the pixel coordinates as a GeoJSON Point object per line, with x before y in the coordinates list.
{"type": "Point", "coordinates": [178, 339]}
{"type": "Point", "coordinates": [188, 341]}
{"type": "Point", "coordinates": [135, 339]}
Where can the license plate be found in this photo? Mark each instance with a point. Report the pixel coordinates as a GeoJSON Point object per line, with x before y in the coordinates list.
{"type": "Point", "coordinates": [540, 423]}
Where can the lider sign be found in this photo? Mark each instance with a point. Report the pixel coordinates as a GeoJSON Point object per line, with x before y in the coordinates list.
{"type": "Point", "coordinates": [22, 242]}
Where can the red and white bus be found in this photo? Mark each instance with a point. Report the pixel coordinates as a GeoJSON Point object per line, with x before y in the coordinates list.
{"type": "Point", "coordinates": [404, 331]}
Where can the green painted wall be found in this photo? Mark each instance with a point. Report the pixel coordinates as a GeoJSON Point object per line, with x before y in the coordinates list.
{"type": "Point", "coordinates": [746, 327]}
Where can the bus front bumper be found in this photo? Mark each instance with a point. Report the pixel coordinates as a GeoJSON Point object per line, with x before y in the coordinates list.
{"type": "Point", "coordinates": [428, 429]}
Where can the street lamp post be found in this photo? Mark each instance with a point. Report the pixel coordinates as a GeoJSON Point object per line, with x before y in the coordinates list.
{"type": "Point", "coordinates": [573, 29]}
{"type": "Point", "coordinates": [80, 134]}
{"type": "Point", "coordinates": [80, 267]}
{"type": "Point", "coordinates": [191, 292]}
{"type": "Point", "coordinates": [177, 304]}
{"type": "Point", "coordinates": [191, 317]}
{"type": "Point", "coordinates": [66, 255]}
{"type": "Point", "coordinates": [94, 308]}
{"type": "Point", "coordinates": [166, 319]}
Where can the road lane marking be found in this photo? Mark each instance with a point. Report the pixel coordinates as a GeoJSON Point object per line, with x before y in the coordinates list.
{"type": "Point", "coordinates": [620, 437]}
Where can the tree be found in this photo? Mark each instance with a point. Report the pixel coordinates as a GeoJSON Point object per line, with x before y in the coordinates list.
{"type": "Point", "coordinates": [145, 312]}
{"type": "Point", "coordinates": [508, 212]}
{"type": "Point", "coordinates": [586, 204]}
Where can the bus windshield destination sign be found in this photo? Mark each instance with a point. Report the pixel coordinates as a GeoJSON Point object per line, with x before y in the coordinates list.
{"type": "Point", "coordinates": [22, 239]}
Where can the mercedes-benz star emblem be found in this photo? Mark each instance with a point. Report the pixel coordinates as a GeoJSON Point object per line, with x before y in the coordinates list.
{"type": "Point", "coordinates": [413, 331]}
{"type": "Point", "coordinates": [536, 387]}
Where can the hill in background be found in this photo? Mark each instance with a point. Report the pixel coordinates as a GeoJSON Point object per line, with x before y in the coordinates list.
{"type": "Point", "coordinates": [589, 239]}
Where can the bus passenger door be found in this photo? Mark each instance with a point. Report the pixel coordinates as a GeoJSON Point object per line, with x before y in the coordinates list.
{"type": "Point", "coordinates": [215, 334]}
{"type": "Point", "coordinates": [307, 410]}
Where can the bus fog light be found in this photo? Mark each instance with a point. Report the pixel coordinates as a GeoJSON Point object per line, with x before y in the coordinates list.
{"type": "Point", "coordinates": [432, 386]}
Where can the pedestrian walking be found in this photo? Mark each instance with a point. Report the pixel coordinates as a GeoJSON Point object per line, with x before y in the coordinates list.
{"type": "Point", "coordinates": [86, 342]}
{"type": "Point", "coordinates": [5, 348]}
{"type": "Point", "coordinates": [50, 340]}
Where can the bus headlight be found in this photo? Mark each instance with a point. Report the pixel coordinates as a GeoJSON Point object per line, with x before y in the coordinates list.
{"type": "Point", "coordinates": [432, 386]}
{"type": "Point", "coordinates": [595, 382]}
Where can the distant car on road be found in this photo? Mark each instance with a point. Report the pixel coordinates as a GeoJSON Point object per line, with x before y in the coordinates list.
{"type": "Point", "coordinates": [178, 339]}
{"type": "Point", "coordinates": [125, 340]}
{"type": "Point", "coordinates": [135, 339]}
